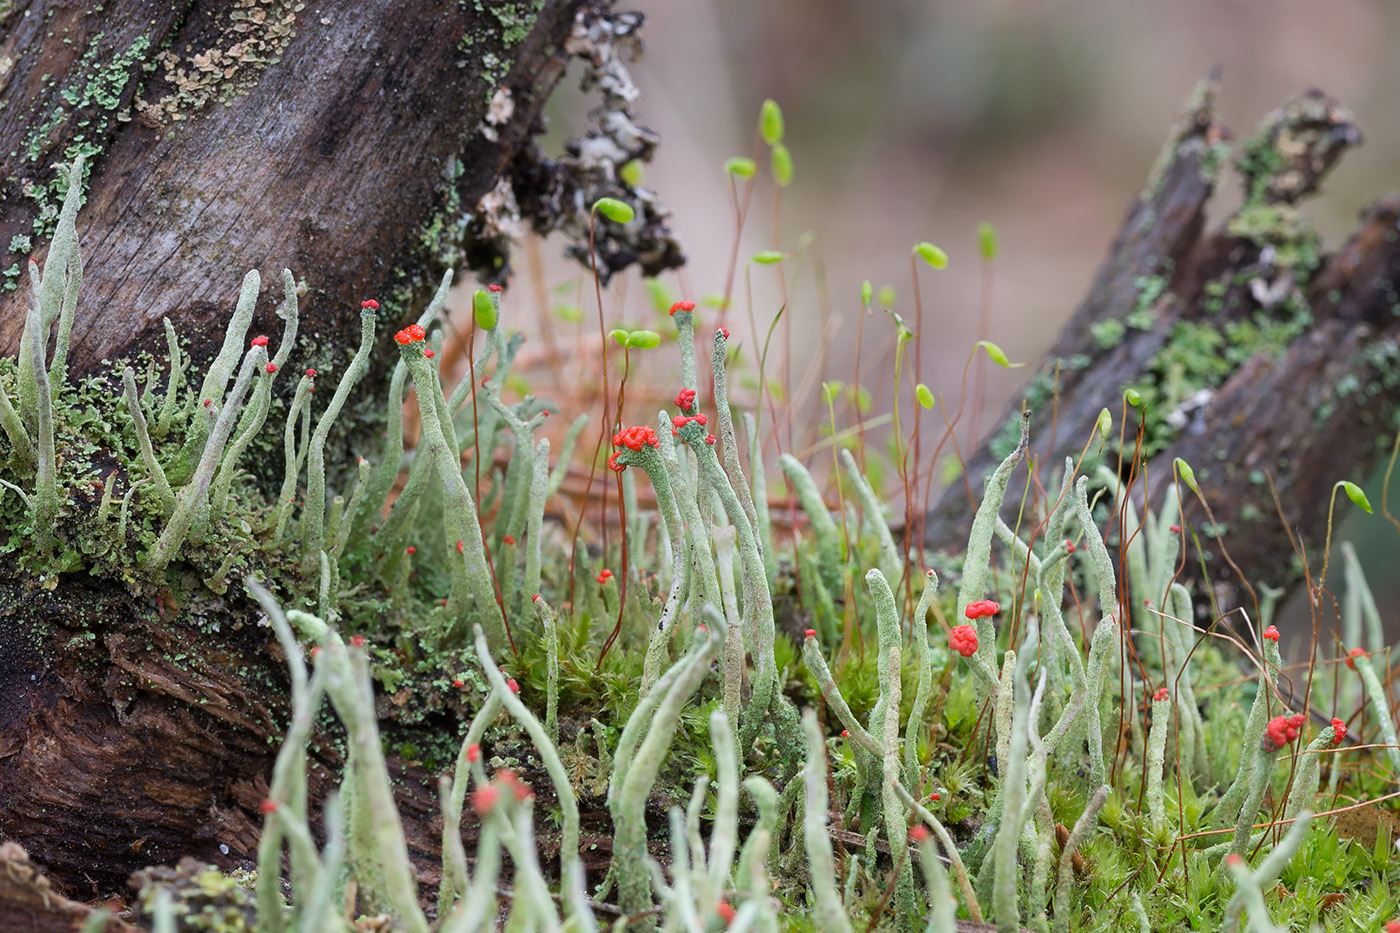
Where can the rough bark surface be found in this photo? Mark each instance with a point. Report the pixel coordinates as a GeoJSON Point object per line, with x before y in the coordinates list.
{"type": "Point", "coordinates": [352, 145]}
{"type": "Point", "coordinates": [1320, 409]}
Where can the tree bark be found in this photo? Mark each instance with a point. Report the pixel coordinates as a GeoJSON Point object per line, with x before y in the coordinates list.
{"type": "Point", "coordinates": [1301, 412]}
{"type": "Point", "coordinates": [364, 147]}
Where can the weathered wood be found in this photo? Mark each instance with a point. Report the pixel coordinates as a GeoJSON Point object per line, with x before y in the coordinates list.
{"type": "Point", "coordinates": [29, 904]}
{"type": "Point", "coordinates": [363, 146]}
{"type": "Point", "coordinates": [1318, 409]}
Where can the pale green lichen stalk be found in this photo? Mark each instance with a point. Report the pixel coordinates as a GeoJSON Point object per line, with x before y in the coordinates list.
{"type": "Point", "coordinates": [728, 808]}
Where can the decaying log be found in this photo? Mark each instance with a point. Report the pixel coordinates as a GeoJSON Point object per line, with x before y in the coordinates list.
{"type": "Point", "coordinates": [1314, 405]}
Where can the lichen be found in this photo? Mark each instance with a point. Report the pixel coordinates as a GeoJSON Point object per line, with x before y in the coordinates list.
{"type": "Point", "coordinates": [252, 35]}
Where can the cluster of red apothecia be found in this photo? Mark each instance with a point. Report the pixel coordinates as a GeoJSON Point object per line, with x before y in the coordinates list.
{"type": "Point", "coordinates": [633, 438]}
{"type": "Point", "coordinates": [963, 640]}
{"type": "Point", "coordinates": [1281, 730]}
{"type": "Point", "coordinates": [982, 607]}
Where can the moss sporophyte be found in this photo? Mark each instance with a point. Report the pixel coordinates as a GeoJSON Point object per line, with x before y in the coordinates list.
{"type": "Point", "coordinates": [772, 675]}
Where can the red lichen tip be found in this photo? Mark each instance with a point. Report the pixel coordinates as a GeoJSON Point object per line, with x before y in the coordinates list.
{"type": "Point", "coordinates": [1233, 859]}
{"type": "Point", "coordinates": [614, 465]}
{"type": "Point", "coordinates": [507, 540]}
{"type": "Point", "coordinates": [495, 288]}
{"type": "Point", "coordinates": [272, 367]}
{"type": "Point", "coordinates": [1282, 730]}
{"type": "Point", "coordinates": [682, 306]}
{"type": "Point", "coordinates": [1069, 546]}
{"type": "Point", "coordinates": [259, 341]}
{"type": "Point", "coordinates": [484, 799]}
{"type": "Point", "coordinates": [311, 374]}
{"type": "Point", "coordinates": [726, 912]}
{"type": "Point", "coordinates": [458, 683]}
{"type": "Point", "coordinates": [811, 633]}
{"type": "Point", "coordinates": [473, 753]}
{"type": "Point", "coordinates": [268, 806]}
{"type": "Point", "coordinates": [536, 598]}
{"type": "Point", "coordinates": [982, 607]}
{"type": "Point", "coordinates": [429, 353]}
{"type": "Point", "coordinates": [1355, 653]}
{"type": "Point", "coordinates": [604, 575]}
{"type": "Point", "coordinates": [1339, 731]}
{"type": "Point", "coordinates": [723, 332]}
{"type": "Point", "coordinates": [845, 733]}
{"type": "Point", "coordinates": [935, 796]}
{"type": "Point", "coordinates": [208, 402]}
{"type": "Point", "coordinates": [701, 628]}
{"type": "Point", "coordinates": [637, 437]}
{"type": "Point", "coordinates": [685, 399]}
{"type": "Point", "coordinates": [1271, 633]}
{"type": "Point", "coordinates": [514, 687]}
{"type": "Point", "coordinates": [370, 303]}
{"type": "Point", "coordinates": [963, 640]}
{"type": "Point", "coordinates": [410, 550]}
{"type": "Point", "coordinates": [919, 833]}
{"type": "Point", "coordinates": [1175, 529]}
{"type": "Point", "coordinates": [357, 641]}
{"type": "Point", "coordinates": [1161, 694]}
{"type": "Point", "coordinates": [710, 439]}
{"type": "Point", "coordinates": [1392, 926]}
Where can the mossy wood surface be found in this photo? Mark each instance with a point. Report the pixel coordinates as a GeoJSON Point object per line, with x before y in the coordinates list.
{"type": "Point", "coordinates": [227, 135]}
{"type": "Point", "coordinates": [1254, 352]}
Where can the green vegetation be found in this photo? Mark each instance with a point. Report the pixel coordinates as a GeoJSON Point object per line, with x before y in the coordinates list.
{"type": "Point", "coordinates": [823, 732]}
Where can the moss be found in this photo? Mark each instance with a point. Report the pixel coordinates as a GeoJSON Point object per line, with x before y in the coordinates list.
{"type": "Point", "coordinates": [1293, 241]}
{"type": "Point", "coordinates": [100, 81]}
{"type": "Point", "coordinates": [1259, 162]}
{"type": "Point", "coordinates": [1108, 333]}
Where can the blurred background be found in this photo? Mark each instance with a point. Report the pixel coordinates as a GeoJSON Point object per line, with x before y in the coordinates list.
{"type": "Point", "coordinates": [917, 120]}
